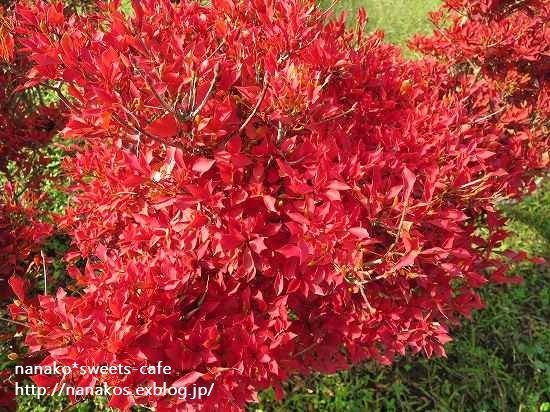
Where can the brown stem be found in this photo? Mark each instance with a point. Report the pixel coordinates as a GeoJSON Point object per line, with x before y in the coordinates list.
{"type": "Point", "coordinates": [14, 322]}
{"type": "Point", "coordinates": [138, 129]}
{"type": "Point", "coordinates": [306, 349]}
{"type": "Point", "coordinates": [258, 103]}
{"type": "Point", "coordinates": [61, 96]}
{"type": "Point", "coordinates": [211, 88]}
{"type": "Point", "coordinates": [350, 110]}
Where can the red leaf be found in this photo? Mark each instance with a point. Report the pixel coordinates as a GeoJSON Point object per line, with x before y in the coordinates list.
{"type": "Point", "coordinates": [165, 127]}
{"type": "Point", "coordinates": [333, 195]}
{"type": "Point", "coordinates": [18, 286]}
{"type": "Point", "coordinates": [289, 251]}
{"type": "Point", "coordinates": [269, 202]}
{"type": "Point", "coordinates": [6, 45]}
{"type": "Point", "coordinates": [45, 381]}
{"type": "Point", "coordinates": [122, 402]}
{"type": "Point", "coordinates": [278, 285]}
{"type": "Point", "coordinates": [443, 338]}
{"type": "Point", "coordinates": [407, 260]}
{"type": "Point", "coordinates": [359, 232]}
{"type": "Point", "coordinates": [203, 165]}
{"type": "Point", "coordinates": [408, 179]}
{"type": "Point", "coordinates": [336, 185]}
{"type": "Point", "coordinates": [187, 380]}
{"type": "Point", "coordinates": [258, 245]}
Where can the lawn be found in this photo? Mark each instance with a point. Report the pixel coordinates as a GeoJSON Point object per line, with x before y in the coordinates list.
{"type": "Point", "coordinates": [398, 18]}
{"type": "Point", "coordinates": [498, 361]}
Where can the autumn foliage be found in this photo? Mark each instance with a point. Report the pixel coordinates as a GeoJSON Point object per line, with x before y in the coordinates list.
{"type": "Point", "coordinates": [260, 191]}
{"type": "Point", "coordinates": [26, 126]}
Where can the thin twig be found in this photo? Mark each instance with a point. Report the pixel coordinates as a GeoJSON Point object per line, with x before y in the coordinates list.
{"type": "Point", "coordinates": [61, 96]}
{"type": "Point", "coordinates": [211, 88]}
{"type": "Point", "coordinates": [217, 49]}
{"type": "Point", "coordinates": [400, 226]}
{"type": "Point", "coordinates": [306, 349]}
{"type": "Point", "coordinates": [73, 405]}
{"type": "Point", "coordinates": [325, 82]}
{"type": "Point", "coordinates": [14, 322]}
{"type": "Point", "coordinates": [32, 174]}
{"type": "Point", "coordinates": [192, 93]}
{"type": "Point", "coordinates": [163, 102]}
{"type": "Point", "coordinates": [473, 182]}
{"type": "Point", "coordinates": [199, 302]}
{"type": "Point", "coordinates": [280, 133]}
{"type": "Point", "coordinates": [481, 119]}
{"type": "Point", "coordinates": [138, 143]}
{"type": "Point", "coordinates": [369, 307]}
{"type": "Point", "coordinates": [44, 271]}
{"type": "Point", "coordinates": [139, 130]}
{"type": "Point", "coordinates": [258, 103]}
{"type": "Point", "coordinates": [178, 99]}
{"type": "Point", "coordinates": [328, 10]}
{"type": "Point", "coordinates": [350, 110]}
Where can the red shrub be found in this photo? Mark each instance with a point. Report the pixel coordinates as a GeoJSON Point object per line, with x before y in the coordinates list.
{"type": "Point", "coordinates": [27, 124]}
{"type": "Point", "coordinates": [25, 127]}
{"type": "Point", "coordinates": [261, 193]}
{"type": "Point", "coordinates": [499, 51]}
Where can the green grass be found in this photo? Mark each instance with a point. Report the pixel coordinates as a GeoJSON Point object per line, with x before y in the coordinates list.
{"type": "Point", "coordinates": [399, 19]}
